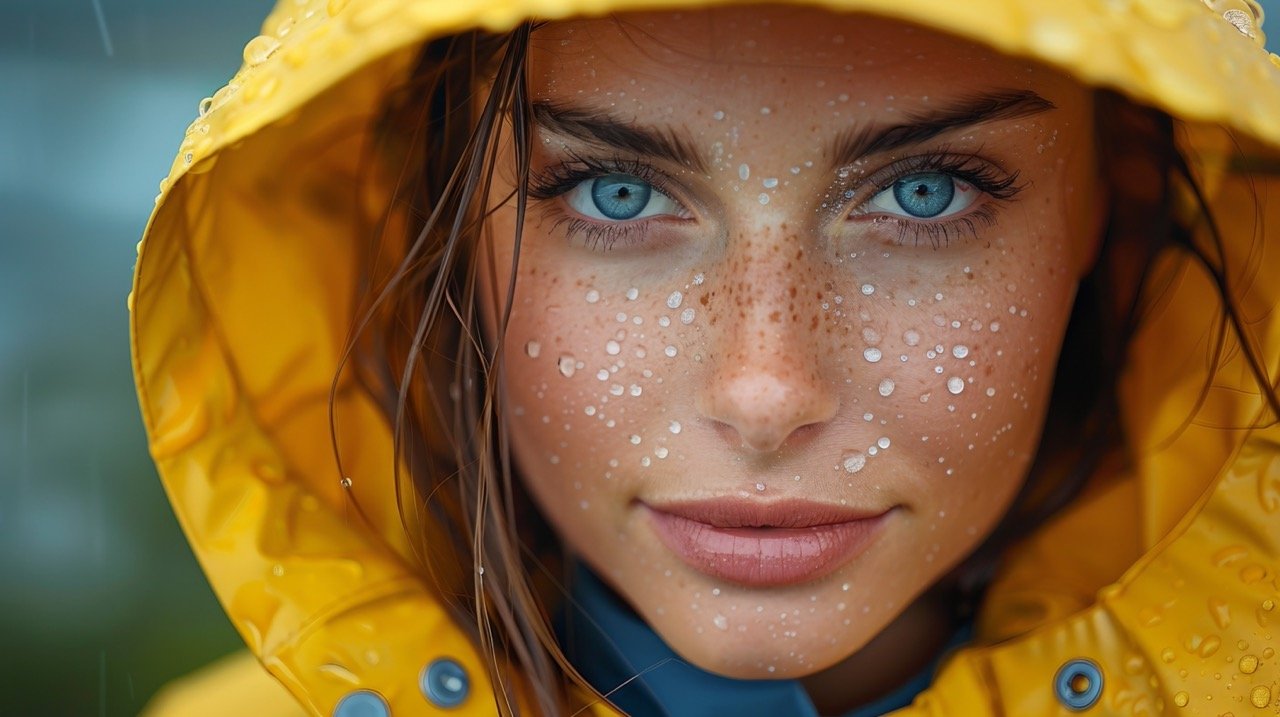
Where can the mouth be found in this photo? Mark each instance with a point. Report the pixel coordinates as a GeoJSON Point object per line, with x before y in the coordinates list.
{"type": "Point", "coordinates": [765, 544]}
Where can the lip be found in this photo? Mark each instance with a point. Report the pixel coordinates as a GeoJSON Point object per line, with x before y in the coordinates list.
{"type": "Point", "coordinates": [765, 544]}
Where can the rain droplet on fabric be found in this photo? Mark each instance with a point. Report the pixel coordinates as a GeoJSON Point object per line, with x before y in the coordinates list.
{"type": "Point", "coordinates": [886, 387]}
{"type": "Point", "coordinates": [674, 300]}
{"type": "Point", "coordinates": [955, 384]}
{"type": "Point", "coordinates": [345, 482]}
{"type": "Point", "coordinates": [533, 349]}
{"type": "Point", "coordinates": [257, 50]}
{"type": "Point", "coordinates": [567, 365]}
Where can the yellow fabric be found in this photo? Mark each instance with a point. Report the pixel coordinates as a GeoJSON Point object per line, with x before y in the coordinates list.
{"type": "Point", "coordinates": [1167, 576]}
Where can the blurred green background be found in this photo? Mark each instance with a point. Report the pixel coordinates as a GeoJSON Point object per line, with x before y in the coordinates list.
{"type": "Point", "coordinates": [101, 601]}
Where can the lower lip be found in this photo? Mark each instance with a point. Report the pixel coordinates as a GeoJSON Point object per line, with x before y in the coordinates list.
{"type": "Point", "coordinates": [765, 557]}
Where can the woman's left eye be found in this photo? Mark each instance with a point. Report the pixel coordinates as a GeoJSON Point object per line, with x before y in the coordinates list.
{"type": "Point", "coordinates": [619, 198]}
{"type": "Point", "coordinates": [925, 195]}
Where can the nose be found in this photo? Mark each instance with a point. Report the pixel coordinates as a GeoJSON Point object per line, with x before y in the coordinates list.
{"type": "Point", "coordinates": [766, 389]}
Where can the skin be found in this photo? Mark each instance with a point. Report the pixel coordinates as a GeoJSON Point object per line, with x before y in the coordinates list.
{"type": "Point", "coordinates": [771, 382]}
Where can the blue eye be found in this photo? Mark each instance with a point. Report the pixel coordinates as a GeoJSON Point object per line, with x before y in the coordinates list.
{"type": "Point", "coordinates": [926, 195]}
{"type": "Point", "coordinates": [619, 198]}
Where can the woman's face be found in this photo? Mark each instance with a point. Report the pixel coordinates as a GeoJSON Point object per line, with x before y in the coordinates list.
{"type": "Point", "coordinates": [789, 299]}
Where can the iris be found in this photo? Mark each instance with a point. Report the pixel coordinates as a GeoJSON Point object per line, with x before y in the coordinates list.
{"type": "Point", "coordinates": [620, 196]}
{"type": "Point", "coordinates": [924, 195]}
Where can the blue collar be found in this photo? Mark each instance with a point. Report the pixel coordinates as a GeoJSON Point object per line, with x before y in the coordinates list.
{"type": "Point", "coordinates": [609, 644]}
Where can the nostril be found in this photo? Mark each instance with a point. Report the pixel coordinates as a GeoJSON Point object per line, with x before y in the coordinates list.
{"type": "Point", "coordinates": [763, 411]}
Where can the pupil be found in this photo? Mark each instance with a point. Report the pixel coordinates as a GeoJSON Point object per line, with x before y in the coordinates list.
{"type": "Point", "coordinates": [620, 196]}
{"type": "Point", "coordinates": [925, 195]}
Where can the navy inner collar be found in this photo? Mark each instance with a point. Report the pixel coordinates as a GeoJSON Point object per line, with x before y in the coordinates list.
{"type": "Point", "coordinates": [623, 658]}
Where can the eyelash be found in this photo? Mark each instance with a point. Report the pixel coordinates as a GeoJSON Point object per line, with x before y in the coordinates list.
{"type": "Point", "coordinates": [965, 167]}
{"type": "Point", "coordinates": [560, 178]}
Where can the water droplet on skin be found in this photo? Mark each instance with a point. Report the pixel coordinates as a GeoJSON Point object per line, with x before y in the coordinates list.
{"type": "Point", "coordinates": [763, 198]}
{"type": "Point", "coordinates": [661, 452]}
{"type": "Point", "coordinates": [872, 355]}
{"type": "Point", "coordinates": [635, 390]}
{"type": "Point", "coordinates": [674, 427]}
{"type": "Point", "coordinates": [698, 279]}
{"type": "Point", "coordinates": [911, 337]}
{"type": "Point", "coordinates": [1260, 696]}
{"type": "Point", "coordinates": [868, 289]}
{"type": "Point", "coordinates": [955, 384]}
{"type": "Point", "coordinates": [632, 294]}
{"type": "Point", "coordinates": [674, 301]}
{"type": "Point", "coordinates": [744, 172]}
{"type": "Point", "coordinates": [686, 316]}
{"type": "Point", "coordinates": [760, 487]}
{"type": "Point", "coordinates": [1181, 699]}
{"type": "Point", "coordinates": [567, 365]}
{"type": "Point", "coordinates": [718, 115]}
{"type": "Point", "coordinates": [721, 622]}
{"type": "Point", "coordinates": [886, 387]}
{"type": "Point", "coordinates": [960, 351]}
{"type": "Point", "coordinates": [602, 374]}
{"type": "Point", "coordinates": [612, 348]}
{"type": "Point", "coordinates": [533, 349]}
{"type": "Point", "coordinates": [670, 351]}
{"type": "Point", "coordinates": [770, 182]}
{"type": "Point", "coordinates": [635, 440]}
{"type": "Point", "coordinates": [593, 296]}
{"type": "Point", "coordinates": [991, 392]}
{"type": "Point", "coordinates": [883, 442]}
{"type": "Point", "coordinates": [616, 389]}
{"type": "Point", "coordinates": [853, 462]}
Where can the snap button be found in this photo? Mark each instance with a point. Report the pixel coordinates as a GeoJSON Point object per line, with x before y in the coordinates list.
{"type": "Point", "coordinates": [445, 683]}
{"type": "Point", "coordinates": [1078, 684]}
{"type": "Point", "coordinates": [362, 703]}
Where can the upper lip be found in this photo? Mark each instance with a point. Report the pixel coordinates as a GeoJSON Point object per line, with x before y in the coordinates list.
{"type": "Point", "coordinates": [733, 512]}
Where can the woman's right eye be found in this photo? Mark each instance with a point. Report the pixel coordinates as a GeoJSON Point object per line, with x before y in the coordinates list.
{"type": "Point", "coordinates": [620, 198]}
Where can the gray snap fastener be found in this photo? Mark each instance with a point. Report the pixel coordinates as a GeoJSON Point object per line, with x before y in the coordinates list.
{"type": "Point", "coordinates": [362, 703]}
{"type": "Point", "coordinates": [1078, 684]}
{"type": "Point", "coordinates": [445, 683]}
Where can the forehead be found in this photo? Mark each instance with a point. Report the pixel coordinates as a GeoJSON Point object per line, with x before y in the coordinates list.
{"type": "Point", "coordinates": [766, 51]}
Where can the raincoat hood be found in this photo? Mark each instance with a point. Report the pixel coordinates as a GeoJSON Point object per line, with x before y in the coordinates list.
{"type": "Point", "coordinates": [1163, 577]}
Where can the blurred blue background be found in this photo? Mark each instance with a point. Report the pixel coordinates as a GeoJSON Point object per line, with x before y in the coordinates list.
{"type": "Point", "coordinates": [101, 601]}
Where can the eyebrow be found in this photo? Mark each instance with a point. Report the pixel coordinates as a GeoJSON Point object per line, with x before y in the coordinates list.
{"type": "Point", "coordinates": [598, 128]}
{"type": "Point", "coordinates": [921, 126]}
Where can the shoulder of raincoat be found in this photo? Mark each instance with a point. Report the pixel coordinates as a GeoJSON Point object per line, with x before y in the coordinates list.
{"type": "Point", "coordinates": [1155, 590]}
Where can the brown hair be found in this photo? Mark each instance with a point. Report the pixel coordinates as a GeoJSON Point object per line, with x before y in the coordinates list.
{"type": "Point", "coordinates": [420, 348]}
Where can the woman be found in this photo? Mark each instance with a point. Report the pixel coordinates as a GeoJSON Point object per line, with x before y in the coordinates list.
{"type": "Point", "coordinates": [727, 359]}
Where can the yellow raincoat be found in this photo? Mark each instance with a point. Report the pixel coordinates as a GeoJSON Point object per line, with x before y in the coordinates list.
{"type": "Point", "coordinates": [1165, 578]}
